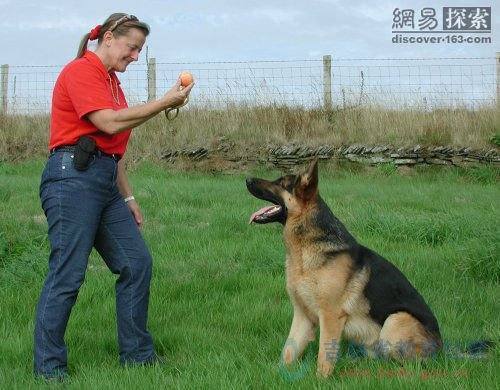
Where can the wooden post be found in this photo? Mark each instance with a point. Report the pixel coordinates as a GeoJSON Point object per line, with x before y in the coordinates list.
{"type": "Point", "coordinates": [327, 82]}
{"type": "Point", "coordinates": [498, 79]}
{"type": "Point", "coordinates": [5, 85]}
{"type": "Point", "coordinates": [151, 79]}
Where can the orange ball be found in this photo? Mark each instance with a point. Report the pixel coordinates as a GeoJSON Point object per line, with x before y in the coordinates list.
{"type": "Point", "coordinates": [186, 79]}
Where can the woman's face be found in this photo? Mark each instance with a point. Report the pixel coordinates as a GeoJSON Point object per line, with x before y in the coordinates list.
{"type": "Point", "coordinates": [125, 49]}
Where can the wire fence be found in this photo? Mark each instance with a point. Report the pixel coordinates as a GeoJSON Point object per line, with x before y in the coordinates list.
{"type": "Point", "coordinates": [399, 83]}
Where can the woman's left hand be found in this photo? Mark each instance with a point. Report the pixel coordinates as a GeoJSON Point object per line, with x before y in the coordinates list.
{"type": "Point", "coordinates": [136, 212]}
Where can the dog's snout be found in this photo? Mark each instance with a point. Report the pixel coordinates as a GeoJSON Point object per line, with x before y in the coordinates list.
{"type": "Point", "coordinates": [249, 181]}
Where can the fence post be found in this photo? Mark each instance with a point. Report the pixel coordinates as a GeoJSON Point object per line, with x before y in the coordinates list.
{"type": "Point", "coordinates": [327, 82]}
{"type": "Point", "coordinates": [498, 79]}
{"type": "Point", "coordinates": [151, 79]}
{"type": "Point", "coordinates": [5, 84]}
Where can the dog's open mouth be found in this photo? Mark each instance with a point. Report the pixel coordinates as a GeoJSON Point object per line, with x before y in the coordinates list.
{"type": "Point", "coordinates": [265, 214]}
{"type": "Point", "coordinates": [270, 192]}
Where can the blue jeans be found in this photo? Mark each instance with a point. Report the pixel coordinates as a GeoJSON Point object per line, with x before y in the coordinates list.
{"type": "Point", "coordinates": [84, 209]}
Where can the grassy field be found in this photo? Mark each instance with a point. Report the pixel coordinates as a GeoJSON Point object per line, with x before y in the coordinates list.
{"type": "Point", "coordinates": [219, 310]}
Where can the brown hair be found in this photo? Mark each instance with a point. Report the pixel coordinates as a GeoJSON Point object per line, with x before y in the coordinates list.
{"type": "Point", "coordinates": [119, 24]}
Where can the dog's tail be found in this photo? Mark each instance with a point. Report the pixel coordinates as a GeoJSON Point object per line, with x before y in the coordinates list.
{"type": "Point", "coordinates": [475, 350]}
{"type": "Point", "coordinates": [479, 348]}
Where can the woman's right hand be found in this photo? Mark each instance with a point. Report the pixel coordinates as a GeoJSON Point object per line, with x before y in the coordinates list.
{"type": "Point", "coordinates": [177, 96]}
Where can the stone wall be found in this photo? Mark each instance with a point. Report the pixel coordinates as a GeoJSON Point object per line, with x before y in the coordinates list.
{"type": "Point", "coordinates": [289, 156]}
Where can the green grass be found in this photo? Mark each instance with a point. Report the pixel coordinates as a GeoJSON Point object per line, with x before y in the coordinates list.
{"type": "Point", "coordinates": [219, 310]}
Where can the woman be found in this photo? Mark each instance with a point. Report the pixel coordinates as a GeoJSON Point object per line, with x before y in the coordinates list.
{"type": "Point", "coordinates": [86, 196]}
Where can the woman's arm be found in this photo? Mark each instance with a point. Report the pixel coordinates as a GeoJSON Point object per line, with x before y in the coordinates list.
{"type": "Point", "coordinates": [112, 122]}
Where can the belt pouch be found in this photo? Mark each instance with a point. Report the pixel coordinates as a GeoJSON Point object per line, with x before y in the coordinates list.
{"type": "Point", "coordinates": [84, 150]}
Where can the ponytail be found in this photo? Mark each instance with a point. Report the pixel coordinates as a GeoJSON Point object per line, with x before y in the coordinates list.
{"type": "Point", "coordinates": [83, 46]}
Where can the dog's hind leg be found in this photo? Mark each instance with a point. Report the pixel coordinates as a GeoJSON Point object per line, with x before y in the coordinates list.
{"type": "Point", "coordinates": [331, 325]}
{"type": "Point", "coordinates": [404, 337]}
{"type": "Point", "coordinates": [301, 333]}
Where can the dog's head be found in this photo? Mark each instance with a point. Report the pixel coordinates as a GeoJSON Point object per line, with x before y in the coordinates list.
{"type": "Point", "coordinates": [288, 194]}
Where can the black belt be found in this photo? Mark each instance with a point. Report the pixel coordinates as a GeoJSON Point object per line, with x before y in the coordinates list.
{"type": "Point", "coordinates": [99, 153]}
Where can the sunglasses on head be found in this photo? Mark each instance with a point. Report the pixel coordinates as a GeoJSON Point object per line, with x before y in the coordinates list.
{"type": "Point", "coordinates": [123, 19]}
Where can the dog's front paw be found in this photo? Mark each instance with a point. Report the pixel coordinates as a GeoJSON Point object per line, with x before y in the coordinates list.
{"type": "Point", "coordinates": [288, 355]}
{"type": "Point", "coordinates": [324, 369]}
{"type": "Point", "coordinates": [290, 352]}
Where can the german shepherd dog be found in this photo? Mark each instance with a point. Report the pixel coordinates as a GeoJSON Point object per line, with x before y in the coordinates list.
{"type": "Point", "coordinates": [338, 284]}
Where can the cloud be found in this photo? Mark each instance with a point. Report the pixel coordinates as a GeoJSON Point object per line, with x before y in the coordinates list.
{"type": "Point", "coordinates": [221, 30]}
{"type": "Point", "coordinates": [276, 15]}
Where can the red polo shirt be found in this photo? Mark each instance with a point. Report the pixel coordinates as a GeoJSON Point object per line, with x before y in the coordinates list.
{"type": "Point", "coordinates": [84, 86]}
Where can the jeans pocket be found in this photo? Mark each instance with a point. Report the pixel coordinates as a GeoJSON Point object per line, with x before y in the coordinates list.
{"type": "Point", "coordinates": [68, 167]}
{"type": "Point", "coordinates": [66, 163]}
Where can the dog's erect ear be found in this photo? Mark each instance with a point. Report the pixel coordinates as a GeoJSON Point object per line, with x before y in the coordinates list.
{"type": "Point", "coordinates": [309, 181]}
{"type": "Point", "coordinates": [312, 170]}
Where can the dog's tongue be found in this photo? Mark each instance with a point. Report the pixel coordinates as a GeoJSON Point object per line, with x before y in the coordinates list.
{"type": "Point", "coordinates": [263, 210]}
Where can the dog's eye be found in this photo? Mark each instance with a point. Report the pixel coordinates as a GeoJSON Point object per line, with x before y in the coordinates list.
{"type": "Point", "coordinates": [290, 183]}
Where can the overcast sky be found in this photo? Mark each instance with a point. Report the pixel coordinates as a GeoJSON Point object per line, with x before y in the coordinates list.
{"type": "Point", "coordinates": [48, 32]}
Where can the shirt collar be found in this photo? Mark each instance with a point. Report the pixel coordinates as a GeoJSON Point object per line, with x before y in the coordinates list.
{"type": "Point", "coordinates": [96, 61]}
